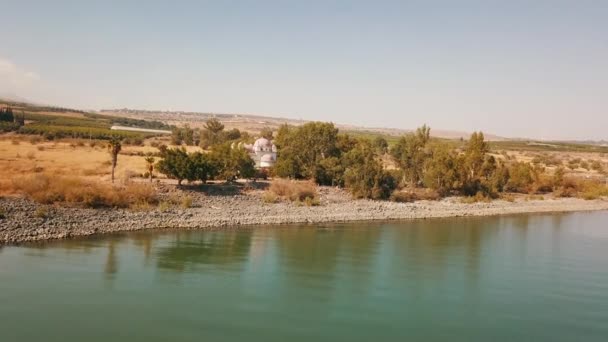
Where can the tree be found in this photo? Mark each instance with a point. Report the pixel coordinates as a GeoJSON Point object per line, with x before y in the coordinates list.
{"type": "Point", "coordinates": [177, 136]}
{"type": "Point", "coordinates": [214, 125]}
{"type": "Point", "coordinates": [212, 133]}
{"type": "Point", "coordinates": [188, 135]}
{"type": "Point", "coordinates": [150, 161]}
{"type": "Point", "coordinates": [200, 167]}
{"type": "Point", "coordinates": [174, 164]}
{"type": "Point", "coordinates": [231, 163]}
{"type": "Point", "coordinates": [364, 175]}
{"type": "Point", "coordinates": [114, 147]}
{"type": "Point", "coordinates": [266, 133]}
{"type": "Point", "coordinates": [233, 134]}
{"type": "Point", "coordinates": [442, 170]}
{"type": "Point", "coordinates": [410, 154]}
{"type": "Point", "coordinates": [521, 178]}
{"type": "Point", "coordinates": [6, 115]}
{"type": "Point", "coordinates": [302, 148]}
{"type": "Point", "coordinates": [381, 145]}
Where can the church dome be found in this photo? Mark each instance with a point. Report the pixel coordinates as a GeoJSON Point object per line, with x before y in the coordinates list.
{"type": "Point", "coordinates": [262, 144]}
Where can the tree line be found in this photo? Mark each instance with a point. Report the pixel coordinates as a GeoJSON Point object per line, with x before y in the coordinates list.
{"type": "Point", "coordinates": [318, 151]}
{"type": "Point", "coordinates": [222, 162]}
{"type": "Point", "coordinates": [368, 168]}
{"type": "Point", "coordinates": [213, 133]}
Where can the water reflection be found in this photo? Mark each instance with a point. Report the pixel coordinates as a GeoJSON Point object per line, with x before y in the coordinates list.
{"type": "Point", "coordinates": [188, 250]}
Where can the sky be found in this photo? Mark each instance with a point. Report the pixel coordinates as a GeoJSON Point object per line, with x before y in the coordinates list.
{"type": "Point", "coordinates": [532, 68]}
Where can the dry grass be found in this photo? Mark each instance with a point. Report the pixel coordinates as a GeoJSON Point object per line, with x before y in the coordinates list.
{"type": "Point", "coordinates": [582, 188]}
{"type": "Point", "coordinates": [412, 195]}
{"type": "Point", "coordinates": [61, 158]}
{"type": "Point", "coordinates": [295, 191]}
{"type": "Point", "coordinates": [48, 189]}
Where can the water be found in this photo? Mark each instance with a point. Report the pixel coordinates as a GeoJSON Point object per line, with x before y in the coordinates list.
{"type": "Point", "coordinates": [518, 278]}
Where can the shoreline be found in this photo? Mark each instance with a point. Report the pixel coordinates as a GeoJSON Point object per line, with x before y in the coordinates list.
{"type": "Point", "coordinates": [24, 223]}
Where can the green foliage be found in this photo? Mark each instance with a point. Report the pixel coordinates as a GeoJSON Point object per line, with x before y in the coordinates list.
{"type": "Point", "coordinates": [232, 163]}
{"type": "Point", "coordinates": [364, 175]}
{"type": "Point", "coordinates": [381, 145]}
{"type": "Point", "coordinates": [410, 154]}
{"type": "Point", "coordinates": [59, 132]}
{"type": "Point", "coordinates": [302, 148]}
{"type": "Point", "coordinates": [6, 115]}
{"type": "Point", "coordinates": [175, 164]}
{"type": "Point", "coordinates": [442, 169]}
{"type": "Point", "coordinates": [184, 135]}
{"type": "Point", "coordinates": [521, 178]}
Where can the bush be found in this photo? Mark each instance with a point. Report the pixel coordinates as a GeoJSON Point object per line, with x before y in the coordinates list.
{"type": "Point", "coordinates": [407, 196]}
{"type": "Point", "coordinates": [41, 212]}
{"type": "Point", "coordinates": [186, 202]}
{"type": "Point", "coordinates": [293, 190]}
{"type": "Point", "coordinates": [270, 197]}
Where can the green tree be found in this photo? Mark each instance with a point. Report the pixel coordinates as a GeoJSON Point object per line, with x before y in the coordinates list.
{"type": "Point", "coordinates": [177, 136]}
{"type": "Point", "coordinates": [114, 147]}
{"type": "Point", "coordinates": [442, 169]}
{"type": "Point", "coordinates": [175, 164]}
{"type": "Point", "coordinates": [231, 163]}
{"type": "Point", "coordinates": [381, 145]}
{"type": "Point", "coordinates": [410, 154]}
{"type": "Point", "coordinates": [212, 134]}
{"type": "Point", "coordinates": [188, 135]}
{"type": "Point", "coordinates": [302, 148]}
{"type": "Point", "coordinates": [200, 167]}
{"type": "Point", "coordinates": [364, 175]}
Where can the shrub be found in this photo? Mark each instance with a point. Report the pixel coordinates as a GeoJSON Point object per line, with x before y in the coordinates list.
{"type": "Point", "coordinates": [270, 197]}
{"type": "Point", "coordinates": [164, 206]}
{"type": "Point", "coordinates": [293, 190]}
{"type": "Point", "coordinates": [520, 178]}
{"type": "Point", "coordinates": [186, 202]}
{"type": "Point", "coordinates": [479, 197]}
{"type": "Point", "coordinates": [406, 196]}
{"type": "Point", "coordinates": [41, 212]}
{"type": "Point", "coordinates": [2, 214]}
{"type": "Point", "coordinates": [596, 166]}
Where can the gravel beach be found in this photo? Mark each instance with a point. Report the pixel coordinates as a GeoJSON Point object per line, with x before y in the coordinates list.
{"type": "Point", "coordinates": [24, 220]}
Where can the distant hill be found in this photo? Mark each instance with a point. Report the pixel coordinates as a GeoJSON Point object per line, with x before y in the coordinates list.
{"type": "Point", "coordinates": [254, 123]}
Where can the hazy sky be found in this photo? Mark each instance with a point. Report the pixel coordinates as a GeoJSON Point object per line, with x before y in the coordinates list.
{"type": "Point", "coordinates": [528, 68]}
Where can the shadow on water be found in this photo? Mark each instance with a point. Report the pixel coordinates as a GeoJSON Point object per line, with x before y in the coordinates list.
{"type": "Point", "coordinates": [188, 250]}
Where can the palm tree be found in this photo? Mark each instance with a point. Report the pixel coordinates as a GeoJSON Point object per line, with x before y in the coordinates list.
{"type": "Point", "coordinates": [150, 161]}
{"type": "Point", "coordinates": [114, 147]}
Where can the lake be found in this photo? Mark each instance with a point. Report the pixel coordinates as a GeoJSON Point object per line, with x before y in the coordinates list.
{"type": "Point", "coordinates": [512, 278]}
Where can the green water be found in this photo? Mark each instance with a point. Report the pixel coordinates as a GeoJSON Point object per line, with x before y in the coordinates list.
{"type": "Point", "coordinates": [518, 278]}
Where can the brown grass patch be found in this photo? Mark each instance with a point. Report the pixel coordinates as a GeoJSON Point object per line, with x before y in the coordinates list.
{"type": "Point", "coordinates": [48, 189]}
{"type": "Point", "coordinates": [295, 191]}
{"type": "Point", "coordinates": [412, 195]}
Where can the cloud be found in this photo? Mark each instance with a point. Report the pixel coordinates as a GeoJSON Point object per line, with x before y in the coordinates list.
{"type": "Point", "coordinates": [13, 78]}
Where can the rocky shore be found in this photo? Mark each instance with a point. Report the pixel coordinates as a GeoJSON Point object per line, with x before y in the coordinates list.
{"type": "Point", "coordinates": [22, 220]}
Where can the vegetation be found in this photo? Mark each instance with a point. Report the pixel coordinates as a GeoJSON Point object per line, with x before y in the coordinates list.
{"type": "Point", "coordinates": [304, 192]}
{"type": "Point", "coordinates": [48, 189]}
{"type": "Point", "coordinates": [317, 151]}
{"type": "Point", "coordinates": [114, 147]}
